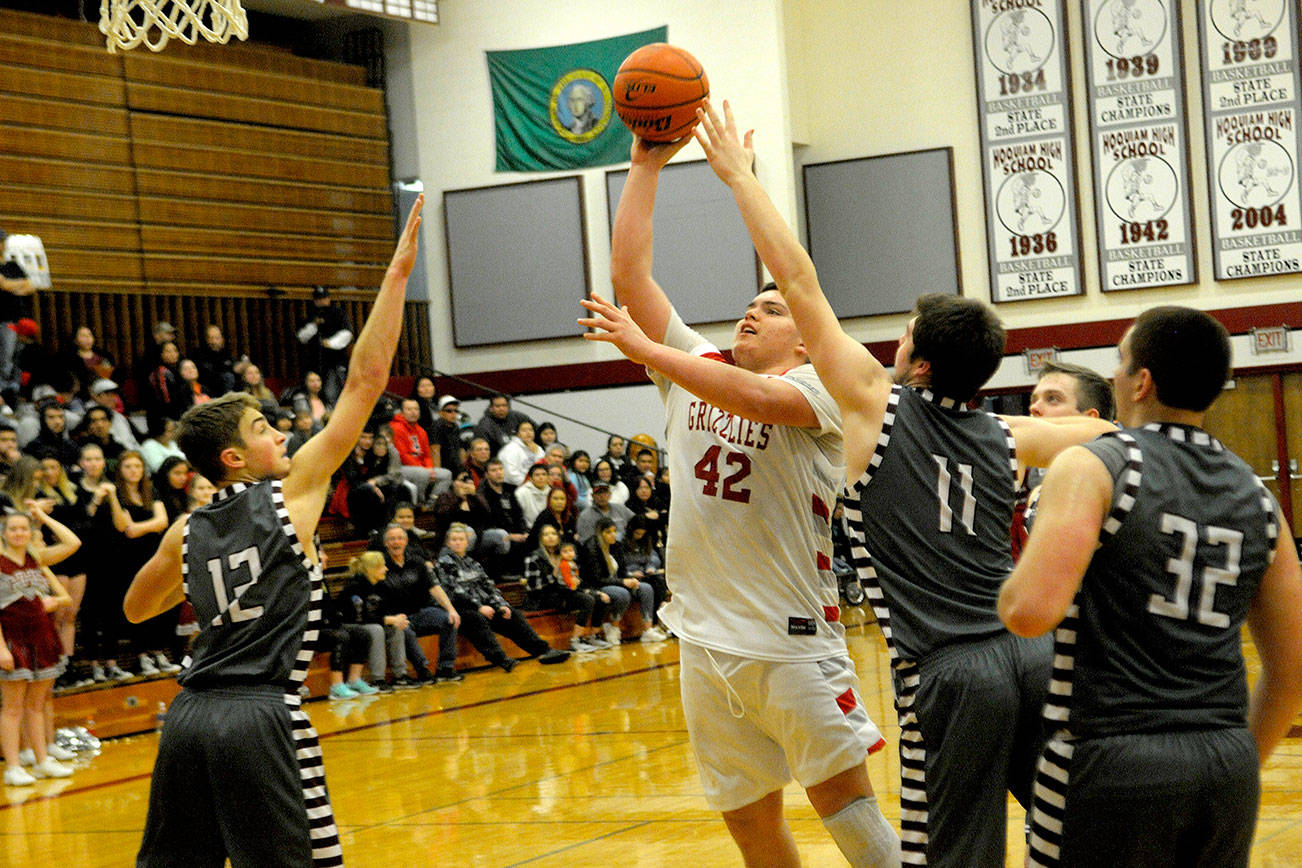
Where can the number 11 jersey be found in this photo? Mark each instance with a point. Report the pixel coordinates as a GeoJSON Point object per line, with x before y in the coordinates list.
{"type": "Point", "coordinates": [749, 551]}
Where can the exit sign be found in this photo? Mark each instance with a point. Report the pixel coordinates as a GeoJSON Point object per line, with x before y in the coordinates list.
{"type": "Point", "coordinates": [1035, 359]}
{"type": "Point", "coordinates": [1274, 339]}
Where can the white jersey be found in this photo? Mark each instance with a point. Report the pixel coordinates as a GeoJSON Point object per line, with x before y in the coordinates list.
{"type": "Point", "coordinates": [750, 542]}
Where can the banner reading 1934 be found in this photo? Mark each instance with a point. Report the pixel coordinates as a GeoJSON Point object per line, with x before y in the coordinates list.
{"type": "Point", "coordinates": [1027, 148]}
{"type": "Point", "coordinates": [1137, 117]}
{"type": "Point", "coordinates": [1251, 106]}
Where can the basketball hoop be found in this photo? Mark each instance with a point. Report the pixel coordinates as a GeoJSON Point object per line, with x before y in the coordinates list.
{"type": "Point", "coordinates": [128, 23]}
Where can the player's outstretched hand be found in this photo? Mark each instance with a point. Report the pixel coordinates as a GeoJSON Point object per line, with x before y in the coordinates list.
{"type": "Point", "coordinates": [404, 255]}
{"type": "Point", "coordinates": [616, 327]}
{"type": "Point", "coordinates": [731, 156]}
{"type": "Point", "coordinates": [655, 154]}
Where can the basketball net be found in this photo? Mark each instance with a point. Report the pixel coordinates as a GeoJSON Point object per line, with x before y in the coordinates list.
{"type": "Point", "coordinates": [128, 23]}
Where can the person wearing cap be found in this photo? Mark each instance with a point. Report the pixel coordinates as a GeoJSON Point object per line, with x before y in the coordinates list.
{"type": "Point", "coordinates": [16, 292]}
{"type": "Point", "coordinates": [104, 392]}
{"type": "Point", "coordinates": [325, 336]}
{"type": "Point", "coordinates": [600, 508]}
{"type": "Point", "coordinates": [445, 435]}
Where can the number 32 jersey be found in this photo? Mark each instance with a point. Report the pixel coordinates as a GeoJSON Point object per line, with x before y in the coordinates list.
{"type": "Point", "coordinates": [257, 597]}
{"type": "Point", "coordinates": [749, 551]}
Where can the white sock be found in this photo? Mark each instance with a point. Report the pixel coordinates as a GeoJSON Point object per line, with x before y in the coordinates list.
{"type": "Point", "coordinates": [863, 835]}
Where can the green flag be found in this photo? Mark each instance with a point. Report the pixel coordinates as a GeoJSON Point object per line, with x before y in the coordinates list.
{"type": "Point", "coordinates": [553, 108]}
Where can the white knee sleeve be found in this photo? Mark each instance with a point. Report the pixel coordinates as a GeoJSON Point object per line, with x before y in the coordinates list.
{"type": "Point", "coordinates": [863, 835]}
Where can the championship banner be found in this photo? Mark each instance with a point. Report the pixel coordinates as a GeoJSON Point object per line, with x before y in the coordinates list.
{"type": "Point", "coordinates": [1027, 148]}
{"type": "Point", "coordinates": [1250, 109]}
{"type": "Point", "coordinates": [1135, 66]}
{"type": "Point", "coordinates": [553, 109]}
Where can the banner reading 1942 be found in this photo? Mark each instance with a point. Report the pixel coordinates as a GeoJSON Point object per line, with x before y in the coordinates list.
{"type": "Point", "coordinates": [1137, 117]}
{"type": "Point", "coordinates": [1027, 148]}
{"type": "Point", "coordinates": [1250, 106]}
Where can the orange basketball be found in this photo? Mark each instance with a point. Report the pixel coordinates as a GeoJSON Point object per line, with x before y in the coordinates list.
{"type": "Point", "coordinates": [657, 91]}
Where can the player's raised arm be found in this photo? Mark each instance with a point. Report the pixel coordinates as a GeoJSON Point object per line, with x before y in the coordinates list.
{"type": "Point", "coordinates": [368, 374]}
{"type": "Point", "coordinates": [845, 366]}
{"type": "Point", "coordinates": [1040, 440]}
{"type": "Point", "coordinates": [157, 586]}
{"type": "Point", "coordinates": [631, 238]}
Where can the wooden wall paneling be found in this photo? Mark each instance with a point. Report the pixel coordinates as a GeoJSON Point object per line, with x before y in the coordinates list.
{"type": "Point", "coordinates": [58, 56]}
{"type": "Point", "coordinates": [116, 237]}
{"type": "Point", "coordinates": [50, 27]}
{"type": "Point", "coordinates": [68, 204]}
{"type": "Point", "coordinates": [219, 106]}
{"type": "Point", "coordinates": [190, 74]}
{"type": "Point", "coordinates": [246, 137]}
{"type": "Point", "coordinates": [257, 219]}
{"type": "Point", "coordinates": [94, 264]}
{"type": "Point", "coordinates": [56, 114]}
{"type": "Point", "coordinates": [58, 144]}
{"type": "Point", "coordinates": [266, 272]}
{"type": "Point", "coordinates": [199, 241]}
{"type": "Point", "coordinates": [44, 172]}
{"type": "Point", "coordinates": [225, 161]}
{"type": "Point", "coordinates": [255, 55]}
{"type": "Point", "coordinates": [77, 87]}
{"type": "Point", "coordinates": [215, 188]}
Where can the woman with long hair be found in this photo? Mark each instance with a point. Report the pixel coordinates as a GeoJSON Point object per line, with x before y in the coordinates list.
{"type": "Point", "coordinates": [520, 453]}
{"type": "Point", "coordinates": [604, 471]}
{"type": "Point", "coordinates": [65, 506]}
{"type": "Point", "coordinates": [551, 575]}
{"type": "Point", "coordinates": [171, 481]}
{"type": "Point", "coordinates": [645, 503]}
{"type": "Point", "coordinates": [140, 519]}
{"type": "Point", "coordinates": [643, 560]}
{"type": "Point", "coordinates": [559, 513]}
{"type": "Point", "coordinates": [102, 621]}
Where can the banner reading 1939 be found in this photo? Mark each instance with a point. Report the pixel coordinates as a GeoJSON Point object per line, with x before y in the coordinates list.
{"type": "Point", "coordinates": [1027, 148]}
{"type": "Point", "coordinates": [1251, 107]}
{"type": "Point", "coordinates": [1137, 117]}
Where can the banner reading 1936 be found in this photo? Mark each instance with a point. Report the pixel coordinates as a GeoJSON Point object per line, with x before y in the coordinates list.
{"type": "Point", "coordinates": [1027, 148]}
{"type": "Point", "coordinates": [1133, 57]}
{"type": "Point", "coordinates": [1250, 106]}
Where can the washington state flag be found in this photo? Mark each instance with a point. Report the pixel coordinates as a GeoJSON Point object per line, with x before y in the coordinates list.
{"type": "Point", "coordinates": [553, 108]}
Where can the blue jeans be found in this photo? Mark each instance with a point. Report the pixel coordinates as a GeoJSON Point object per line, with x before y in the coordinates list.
{"type": "Point", "coordinates": [427, 622]}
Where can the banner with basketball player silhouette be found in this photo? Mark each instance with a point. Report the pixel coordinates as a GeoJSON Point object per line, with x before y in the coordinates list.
{"type": "Point", "coordinates": [1028, 148]}
{"type": "Point", "coordinates": [553, 107]}
{"type": "Point", "coordinates": [1134, 63]}
{"type": "Point", "coordinates": [1250, 116]}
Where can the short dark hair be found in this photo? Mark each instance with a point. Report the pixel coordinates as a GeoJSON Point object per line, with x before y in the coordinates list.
{"type": "Point", "coordinates": [533, 467]}
{"type": "Point", "coordinates": [490, 462]}
{"type": "Point", "coordinates": [1093, 390]}
{"type": "Point", "coordinates": [209, 428]}
{"type": "Point", "coordinates": [604, 524]}
{"type": "Point", "coordinates": [963, 340]}
{"type": "Point", "coordinates": [1186, 351]}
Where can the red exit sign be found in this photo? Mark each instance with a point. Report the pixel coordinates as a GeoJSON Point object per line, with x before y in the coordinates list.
{"type": "Point", "coordinates": [1035, 359]}
{"type": "Point", "coordinates": [1274, 339]}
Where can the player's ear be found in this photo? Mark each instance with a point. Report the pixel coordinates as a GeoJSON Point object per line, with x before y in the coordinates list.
{"type": "Point", "coordinates": [1092, 412]}
{"type": "Point", "coordinates": [232, 458]}
{"type": "Point", "coordinates": [1144, 386]}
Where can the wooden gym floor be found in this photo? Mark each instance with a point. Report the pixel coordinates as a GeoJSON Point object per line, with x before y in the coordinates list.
{"type": "Point", "coordinates": [585, 763]}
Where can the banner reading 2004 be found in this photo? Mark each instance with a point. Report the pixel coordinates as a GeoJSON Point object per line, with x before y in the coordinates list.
{"type": "Point", "coordinates": [1250, 107]}
{"type": "Point", "coordinates": [1027, 143]}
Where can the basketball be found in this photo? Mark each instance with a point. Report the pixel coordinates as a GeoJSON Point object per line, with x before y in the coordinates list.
{"type": "Point", "coordinates": [657, 91]}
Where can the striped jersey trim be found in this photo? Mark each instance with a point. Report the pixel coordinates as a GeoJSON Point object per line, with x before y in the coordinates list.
{"type": "Point", "coordinates": [311, 636]}
{"type": "Point", "coordinates": [1048, 799]}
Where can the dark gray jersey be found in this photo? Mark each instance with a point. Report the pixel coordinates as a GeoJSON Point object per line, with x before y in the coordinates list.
{"type": "Point", "coordinates": [256, 595]}
{"type": "Point", "coordinates": [929, 522]}
{"type": "Point", "coordinates": [1157, 620]}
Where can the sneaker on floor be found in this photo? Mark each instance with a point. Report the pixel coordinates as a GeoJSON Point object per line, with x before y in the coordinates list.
{"type": "Point", "coordinates": [97, 673]}
{"type": "Point", "coordinates": [147, 666]}
{"type": "Point", "coordinates": [383, 687]}
{"type": "Point", "coordinates": [342, 691]}
{"type": "Point", "coordinates": [580, 645]}
{"type": "Point", "coordinates": [62, 754]}
{"type": "Point", "coordinates": [448, 676]}
{"type": "Point", "coordinates": [612, 633]}
{"type": "Point", "coordinates": [27, 757]}
{"type": "Point", "coordinates": [405, 683]}
{"type": "Point", "coordinates": [165, 665]}
{"type": "Point", "coordinates": [506, 663]}
{"type": "Point", "coordinates": [553, 655]}
{"type": "Point", "coordinates": [51, 768]}
{"type": "Point", "coordinates": [597, 641]}
{"type": "Point", "coordinates": [424, 676]}
{"type": "Point", "coordinates": [18, 777]}
{"type": "Point", "coordinates": [361, 688]}
{"type": "Point", "coordinates": [117, 673]}
{"type": "Point", "coordinates": [653, 634]}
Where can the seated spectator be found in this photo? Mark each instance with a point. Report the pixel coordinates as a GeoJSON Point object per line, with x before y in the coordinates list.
{"type": "Point", "coordinates": [307, 398]}
{"type": "Point", "coordinates": [483, 609]}
{"type": "Point", "coordinates": [546, 435]}
{"type": "Point", "coordinates": [374, 480]}
{"type": "Point", "coordinates": [423, 392]}
{"type": "Point", "coordinates": [9, 451]}
{"type": "Point", "coordinates": [359, 604]}
{"type": "Point", "coordinates": [603, 571]}
{"type": "Point", "coordinates": [617, 456]}
{"type": "Point", "coordinates": [646, 504]}
{"type": "Point", "coordinates": [191, 383]}
{"type": "Point", "coordinates": [556, 455]}
{"type": "Point", "coordinates": [532, 496]}
{"type": "Point", "coordinates": [300, 431]}
{"type": "Point", "coordinates": [557, 478]}
{"type": "Point", "coordinates": [461, 504]}
{"type": "Point", "coordinates": [105, 394]}
{"type": "Point", "coordinates": [201, 491]}
{"type": "Point", "coordinates": [643, 560]}
{"type": "Point", "coordinates": [559, 513]}
{"type": "Point", "coordinates": [163, 393]}
{"type": "Point", "coordinates": [477, 458]}
{"type": "Point", "coordinates": [601, 508]}
{"type": "Point", "coordinates": [52, 439]}
{"type": "Point", "coordinates": [445, 434]}
{"type": "Point", "coordinates": [419, 540]}
{"type": "Point", "coordinates": [498, 424]}
{"type": "Point", "coordinates": [551, 574]}
{"type": "Point", "coordinates": [251, 381]}
{"type": "Point", "coordinates": [171, 486]}
{"type": "Point", "coordinates": [413, 589]}
{"type": "Point", "coordinates": [519, 454]}
{"type": "Point", "coordinates": [577, 474]}
{"type": "Point", "coordinates": [87, 361]}
{"type": "Point", "coordinates": [218, 369]}
{"type": "Point", "coordinates": [646, 463]}
{"type": "Point", "coordinates": [506, 528]}
{"type": "Point", "coordinates": [15, 303]}
{"type": "Point", "coordinates": [97, 427]}
{"type": "Point", "coordinates": [412, 444]}
{"type": "Point", "coordinates": [161, 444]}
{"type": "Point", "coordinates": [604, 471]}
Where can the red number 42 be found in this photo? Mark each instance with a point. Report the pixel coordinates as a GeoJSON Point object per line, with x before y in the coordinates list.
{"type": "Point", "coordinates": [707, 470]}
